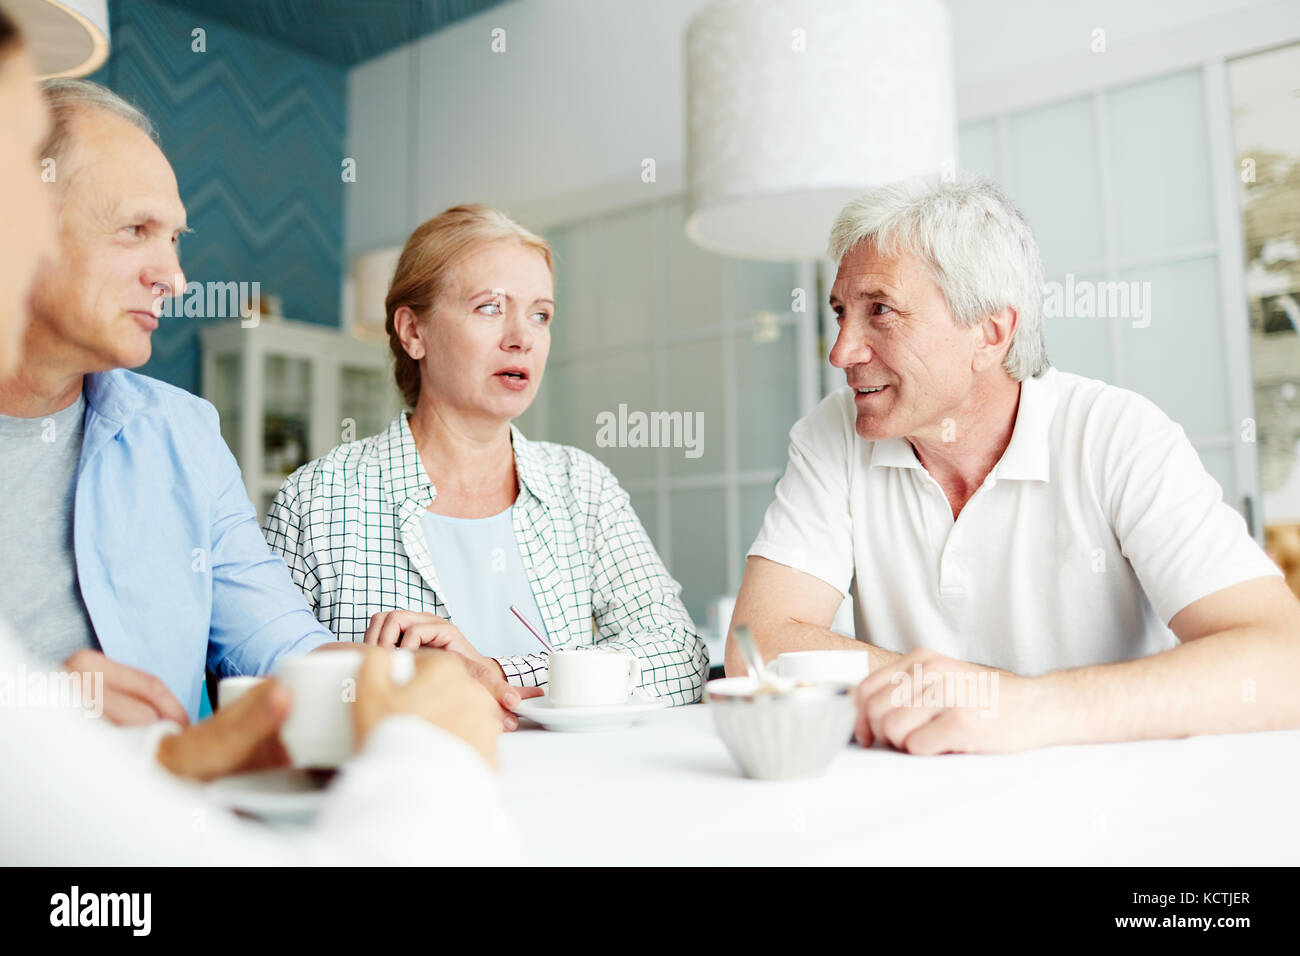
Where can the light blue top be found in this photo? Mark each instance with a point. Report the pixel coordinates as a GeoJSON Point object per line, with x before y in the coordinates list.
{"type": "Point", "coordinates": [482, 573]}
{"type": "Point", "coordinates": [173, 567]}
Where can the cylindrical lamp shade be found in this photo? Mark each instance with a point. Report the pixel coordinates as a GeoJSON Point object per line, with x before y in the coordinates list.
{"type": "Point", "coordinates": [794, 107]}
{"type": "Point", "coordinates": [66, 37]}
{"type": "Point", "coordinates": [372, 274]}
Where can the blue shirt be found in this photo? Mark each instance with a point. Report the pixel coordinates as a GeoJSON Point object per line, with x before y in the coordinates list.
{"type": "Point", "coordinates": [174, 570]}
{"type": "Point", "coordinates": [480, 567]}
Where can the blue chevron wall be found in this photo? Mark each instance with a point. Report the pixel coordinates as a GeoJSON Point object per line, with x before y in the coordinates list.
{"type": "Point", "coordinates": [341, 31]}
{"type": "Point", "coordinates": [255, 132]}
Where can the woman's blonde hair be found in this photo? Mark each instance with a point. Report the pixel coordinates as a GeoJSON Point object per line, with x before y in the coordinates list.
{"type": "Point", "coordinates": [426, 263]}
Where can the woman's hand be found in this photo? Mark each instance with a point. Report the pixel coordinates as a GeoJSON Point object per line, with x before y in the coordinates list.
{"type": "Point", "coordinates": [414, 629]}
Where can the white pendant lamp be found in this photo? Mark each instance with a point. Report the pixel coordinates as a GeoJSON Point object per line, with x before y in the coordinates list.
{"type": "Point", "coordinates": [66, 37]}
{"type": "Point", "coordinates": [372, 273]}
{"type": "Point", "coordinates": [794, 107]}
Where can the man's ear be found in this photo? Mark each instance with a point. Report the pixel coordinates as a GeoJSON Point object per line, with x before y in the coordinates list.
{"type": "Point", "coordinates": [408, 331]}
{"type": "Point", "coordinates": [995, 339]}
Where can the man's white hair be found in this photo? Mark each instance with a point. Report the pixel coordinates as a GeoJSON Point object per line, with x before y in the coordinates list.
{"type": "Point", "coordinates": [66, 98]}
{"type": "Point", "coordinates": [978, 247]}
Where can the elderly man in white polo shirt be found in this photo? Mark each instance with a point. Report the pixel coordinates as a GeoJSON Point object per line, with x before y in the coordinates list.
{"type": "Point", "coordinates": [1047, 538]}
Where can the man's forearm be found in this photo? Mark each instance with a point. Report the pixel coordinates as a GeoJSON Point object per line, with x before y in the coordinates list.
{"type": "Point", "coordinates": [1232, 682]}
{"type": "Point", "coordinates": [775, 640]}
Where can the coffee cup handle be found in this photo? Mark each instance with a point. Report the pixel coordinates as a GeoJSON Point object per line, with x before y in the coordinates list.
{"type": "Point", "coordinates": [634, 674]}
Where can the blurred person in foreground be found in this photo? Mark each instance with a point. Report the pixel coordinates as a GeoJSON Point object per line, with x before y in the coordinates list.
{"type": "Point", "coordinates": [127, 539]}
{"type": "Point", "coordinates": [1035, 557]}
{"type": "Point", "coordinates": [434, 736]}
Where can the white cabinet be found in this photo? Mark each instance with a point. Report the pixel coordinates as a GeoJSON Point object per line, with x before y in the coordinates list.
{"type": "Point", "coordinates": [288, 392]}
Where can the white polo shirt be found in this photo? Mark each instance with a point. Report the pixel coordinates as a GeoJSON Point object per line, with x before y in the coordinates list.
{"type": "Point", "coordinates": [1095, 528]}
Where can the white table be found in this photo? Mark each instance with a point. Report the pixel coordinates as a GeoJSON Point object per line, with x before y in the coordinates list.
{"type": "Point", "coordinates": [668, 792]}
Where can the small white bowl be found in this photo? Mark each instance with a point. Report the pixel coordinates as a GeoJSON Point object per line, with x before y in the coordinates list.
{"type": "Point", "coordinates": [787, 733]}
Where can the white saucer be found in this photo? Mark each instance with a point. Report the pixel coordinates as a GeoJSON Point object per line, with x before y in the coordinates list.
{"type": "Point", "coordinates": [613, 717]}
{"type": "Point", "coordinates": [283, 795]}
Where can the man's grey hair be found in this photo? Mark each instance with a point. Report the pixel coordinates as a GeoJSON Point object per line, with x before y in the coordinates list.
{"type": "Point", "coordinates": [978, 247]}
{"type": "Point", "coordinates": [66, 98]}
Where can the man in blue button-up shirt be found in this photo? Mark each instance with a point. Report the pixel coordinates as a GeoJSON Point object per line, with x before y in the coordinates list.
{"type": "Point", "coordinates": [128, 544]}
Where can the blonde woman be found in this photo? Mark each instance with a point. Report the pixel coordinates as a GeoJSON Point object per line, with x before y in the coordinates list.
{"type": "Point", "coordinates": [428, 533]}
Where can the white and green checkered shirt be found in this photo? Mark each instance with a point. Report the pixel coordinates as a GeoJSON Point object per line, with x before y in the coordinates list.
{"type": "Point", "coordinates": [348, 525]}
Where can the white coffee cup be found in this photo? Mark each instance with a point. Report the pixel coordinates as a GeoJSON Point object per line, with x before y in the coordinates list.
{"type": "Point", "coordinates": [823, 667]}
{"type": "Point", "coordinates": [592, 677]}
{"type": "Point", "coordinates": [318, 731]}
{"type": "Point", "coordinates": [230, 689]}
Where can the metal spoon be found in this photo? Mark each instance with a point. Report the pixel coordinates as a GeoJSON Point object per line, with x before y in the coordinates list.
{"type": "Point", "coordinates": [749, 652]}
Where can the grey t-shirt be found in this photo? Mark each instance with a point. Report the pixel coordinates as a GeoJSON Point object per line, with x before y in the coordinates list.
{"type": "Point", "coordinates": [39, 592]}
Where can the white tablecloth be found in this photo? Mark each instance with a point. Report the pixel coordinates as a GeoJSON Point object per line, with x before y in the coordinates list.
{"type": "Point", "coordinates": [668, 792]}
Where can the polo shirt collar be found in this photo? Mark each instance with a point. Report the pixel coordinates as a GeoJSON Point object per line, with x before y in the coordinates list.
{"type": "Point", "coordinates": [403, 475]}
{"type": "Point", "coordinates": [893, 453]}
{"type": "Point", "coordinates": [1027, 456]}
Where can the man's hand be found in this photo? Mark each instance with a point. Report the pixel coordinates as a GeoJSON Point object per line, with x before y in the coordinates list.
{"type": "Point", "coordinates": [239, 738]}
{"type": "Point", "coordinates": [131, 696]}
{"type": "Point", "coordinates": [925, 703]}
{"type": "Point", "coordinates": [440, 691]}
{"type": "Point", "coordinates": [413, 629]}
